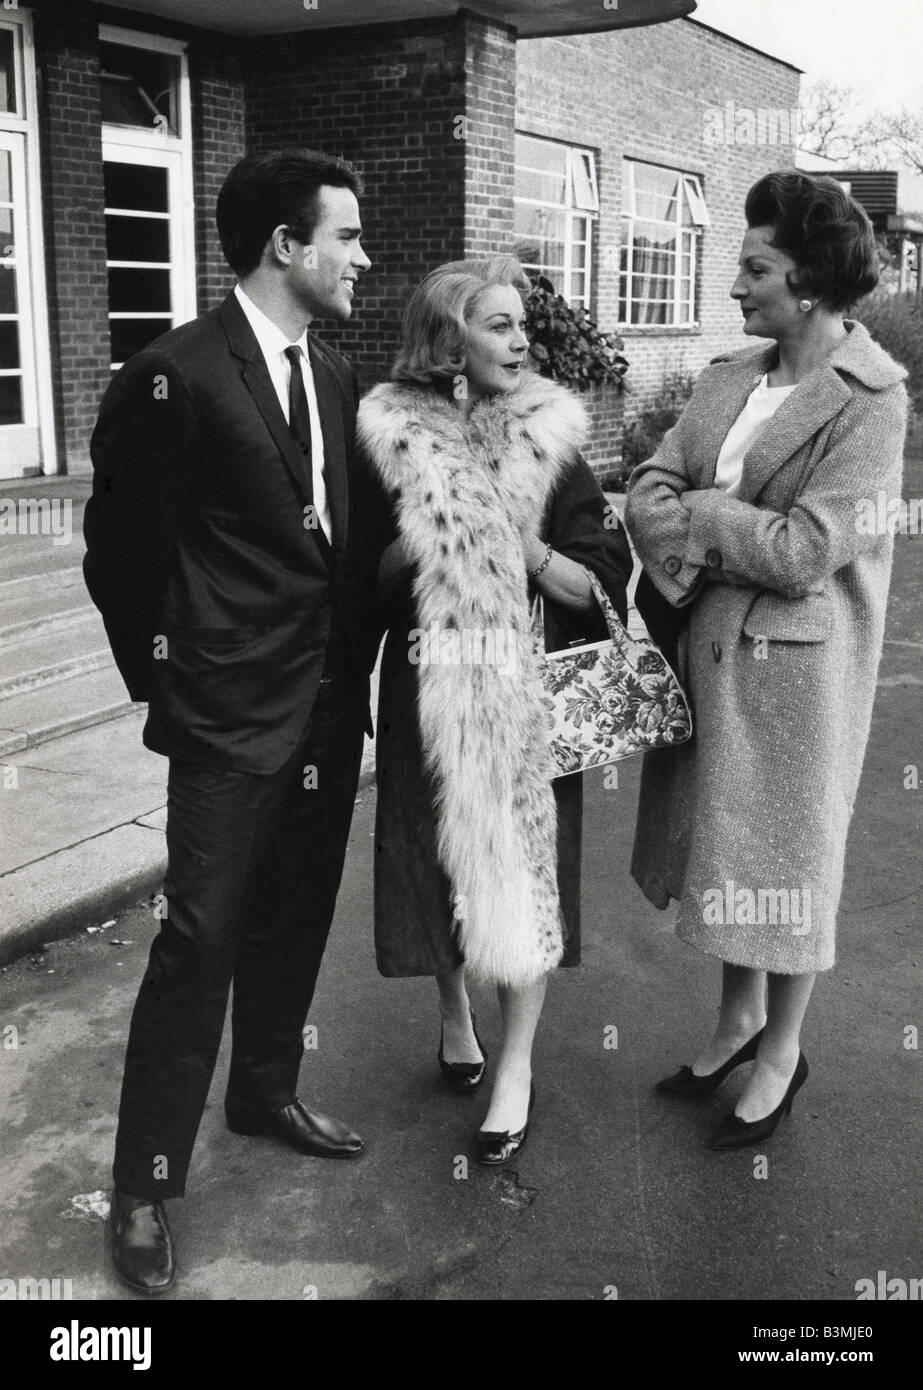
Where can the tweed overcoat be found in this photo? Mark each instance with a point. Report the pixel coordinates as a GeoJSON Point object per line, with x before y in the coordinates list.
{"type": "Point", "coordinates": [778, 598]}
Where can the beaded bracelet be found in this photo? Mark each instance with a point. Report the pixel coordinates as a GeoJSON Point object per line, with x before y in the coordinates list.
{"type": "Point", "coordinates": [534, 574]}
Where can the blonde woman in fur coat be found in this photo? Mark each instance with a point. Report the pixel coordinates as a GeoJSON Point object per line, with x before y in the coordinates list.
{"type": "Point", "coordinates": [477, 862]}
{"type": "Point", "coordinates": [749, 523]}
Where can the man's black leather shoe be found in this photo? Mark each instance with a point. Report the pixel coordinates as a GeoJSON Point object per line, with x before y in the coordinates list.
{"type": "Point", "coordinates": [306, 1130]}
{"type": "Point", "coordinates": [141, 1244]}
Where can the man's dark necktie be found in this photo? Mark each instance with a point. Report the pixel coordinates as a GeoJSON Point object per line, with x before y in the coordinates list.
{"type": "Point", "coordinates": [299, 416]}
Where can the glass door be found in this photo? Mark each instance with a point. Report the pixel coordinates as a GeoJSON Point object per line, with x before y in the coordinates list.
{"type": "Point", "coordinates": [146, 256]}
{"type": "Point", "coordinates": [20, 442]}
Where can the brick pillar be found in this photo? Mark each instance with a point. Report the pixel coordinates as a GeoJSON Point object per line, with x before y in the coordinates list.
{"type": "Point", "coordinates": [387, 97]}
{"type": "Point", "coordinates": [219, 141]}
{"type": "Point", "coordinates": [75, 232]}
{"type": "Point", "coordinates": [490, 111]}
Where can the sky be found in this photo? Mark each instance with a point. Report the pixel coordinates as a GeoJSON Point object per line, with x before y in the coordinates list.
{"type": "Point", "coordinates": [875, 46]}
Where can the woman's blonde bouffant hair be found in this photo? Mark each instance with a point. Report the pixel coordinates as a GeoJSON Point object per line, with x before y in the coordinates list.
{"type": "Point", "coordinates": [438, 312]}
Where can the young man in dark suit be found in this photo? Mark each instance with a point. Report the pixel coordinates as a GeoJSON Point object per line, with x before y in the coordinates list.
{"type": "Point", "coordinates": [225, 552]}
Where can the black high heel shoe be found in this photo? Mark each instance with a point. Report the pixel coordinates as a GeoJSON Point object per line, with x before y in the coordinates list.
{"type": "Point", "coordinates": [736, 1133]}
{"type": "Point", "coordinates": [502, 1146]}
{"type": "Point", "coordinates": [463, 1076]}
{"type": "Point", "coordinates": [685, 1082]}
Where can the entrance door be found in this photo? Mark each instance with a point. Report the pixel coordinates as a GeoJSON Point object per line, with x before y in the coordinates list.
{"type": "Point", "coordinates": [147, 258]}
{"type": "Point", "coordinates": [20, 442]}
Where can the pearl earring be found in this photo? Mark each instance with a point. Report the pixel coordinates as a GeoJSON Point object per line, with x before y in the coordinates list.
{"type": "Point", "coordinates": [805, 306]}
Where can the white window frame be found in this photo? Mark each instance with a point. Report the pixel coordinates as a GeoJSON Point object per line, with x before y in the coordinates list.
{"type": "Point", "coordinates": [25, 123]}
{"type": "Point", "coordinates": [574, 211]}
{"type": "Point", "coordinates": [130, 144]}
{"type": "Point", "coordinates": [684, 309]}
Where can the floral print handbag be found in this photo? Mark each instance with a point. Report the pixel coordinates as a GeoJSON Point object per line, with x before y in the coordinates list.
{"type": "Point", "coordinates": [612, 699]}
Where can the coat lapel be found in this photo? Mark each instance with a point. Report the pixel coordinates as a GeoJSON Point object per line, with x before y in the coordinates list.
{"type": "Point", "coordinates": [817, 399]}
{"type": "Point", "coordinates": [256, 378]}
{"type": "Point", "coordinates": [331, 421]}
{"type": "Point", "coordinates": [722, 410]}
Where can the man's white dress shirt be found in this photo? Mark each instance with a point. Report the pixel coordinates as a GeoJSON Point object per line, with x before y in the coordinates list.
{"type": "Point", "coordinates": [273, 343]}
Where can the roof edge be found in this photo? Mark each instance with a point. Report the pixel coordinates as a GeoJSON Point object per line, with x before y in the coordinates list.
{"type": "Point", "coordinates": [742, 43]}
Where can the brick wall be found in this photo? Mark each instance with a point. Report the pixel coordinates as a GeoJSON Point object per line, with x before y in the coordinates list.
{"type": "Point", "coordinates": [388, 98]}
{"type": "Point", "coordinates": [646, 94]}
{"type": "Point", "coordinates": [490, 110]}
{"type": "Point", "coordinates": [75, 234]}
{"type": "Point", "coordinates": [218, 142]}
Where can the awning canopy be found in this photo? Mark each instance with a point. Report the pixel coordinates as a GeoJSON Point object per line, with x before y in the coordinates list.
{"type": "Point", "coordinates": [531, 18]}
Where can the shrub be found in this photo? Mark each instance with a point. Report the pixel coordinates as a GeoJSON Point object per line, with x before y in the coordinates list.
{"type": "Point", "coordinates": [566, 342]}
{"type": "Point", "coordinates": [896, 321]}
{"type": "Point", "coordinates": [644, 432]}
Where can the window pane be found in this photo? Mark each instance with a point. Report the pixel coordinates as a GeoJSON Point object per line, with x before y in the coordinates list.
{"type": "Point", "coordinates": [11, 400]}
{"type": "Point", "coordinates": [540, 236]}
{"type": "Point", "coordinates": [652, 286]}
{"type": "Point", "coordinates": [584, 181]}
{"type": "Point", "coordinates": [6, 177]}
{"type": "Point", "coordinates": [139, 291]}
{"type": "Point", "coordinates": [139, 88]}
{"type": "Point", "coordinates": [8, 95]}
{"type": "Point", "coordinates": [128, 336]}
{"type": "Point", "coordinates": [544, 188]}
{"type": "Point", "coordinates": [698, 212]}
{"type": "Point", "coordinates": [656, 192]}
{"type": "Point", "coordinates": [135, 186]}
{"type": "Point", "coordinates": [8, 297]}
{"type": "Point", "coordinates": [9, 345]}
{"type": "Point", "coordinates": [541, 170]}
{"type": "Point", "coordinates": [137, 239]}
{"type": "Point", "coordinates": [541, 154]}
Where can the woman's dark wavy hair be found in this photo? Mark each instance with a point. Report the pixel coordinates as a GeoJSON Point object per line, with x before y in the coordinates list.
{"type": "Point", "coordinates": [823, 229]}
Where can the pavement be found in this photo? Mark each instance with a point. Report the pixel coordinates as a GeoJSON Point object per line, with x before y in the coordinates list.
{"type": "Point", "coordinates": [615, 1195]}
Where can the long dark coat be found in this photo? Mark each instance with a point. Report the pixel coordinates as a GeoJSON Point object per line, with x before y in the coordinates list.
{"type": "Point", "coordinates": [413, 897]}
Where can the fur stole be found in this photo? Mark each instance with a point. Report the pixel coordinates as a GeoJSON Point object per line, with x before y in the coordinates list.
{"type": "Point", "coordinates": [463, 487]}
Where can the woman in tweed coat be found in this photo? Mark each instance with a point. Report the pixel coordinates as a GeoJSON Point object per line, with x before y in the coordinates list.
{"type": "Point", "coordinates": [763, 582]}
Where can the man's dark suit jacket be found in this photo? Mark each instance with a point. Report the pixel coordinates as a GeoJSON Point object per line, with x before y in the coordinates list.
{"type": "Point", "coordinates": [196, 533]}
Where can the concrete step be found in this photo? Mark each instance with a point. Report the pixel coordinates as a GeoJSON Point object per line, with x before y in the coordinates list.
{"type": "Point", "coordinates": [38, 716]}
{"type": "Point", "coordinates": [21, 562]}
{"type": "Point", "coordinates": [42, 603]}
{"type": "Point", "coordinates": [53, 652]}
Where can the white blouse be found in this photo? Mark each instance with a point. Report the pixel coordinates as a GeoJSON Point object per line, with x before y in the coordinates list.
{"type": "Point", "coordinates": [762, 404]}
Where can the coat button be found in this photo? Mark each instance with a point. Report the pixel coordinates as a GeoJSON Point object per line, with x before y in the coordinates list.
{"type": "Point", "coordinates": [714, 559]}
{"type": "Point", "coordinates": [672, 564]}
{"type": "Point", "coordinates": [716, 650]}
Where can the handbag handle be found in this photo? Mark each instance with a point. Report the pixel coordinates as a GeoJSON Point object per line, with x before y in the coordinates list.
{"type": "Point", "coordinates": [613, 621]}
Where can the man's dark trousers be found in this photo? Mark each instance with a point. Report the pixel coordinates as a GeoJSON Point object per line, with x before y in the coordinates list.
{"type": "Point", "coordinates": [254, 867]}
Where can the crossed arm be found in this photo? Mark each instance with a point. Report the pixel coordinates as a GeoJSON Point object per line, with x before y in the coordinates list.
{"type": "Point", "coordinates": [678, 528]}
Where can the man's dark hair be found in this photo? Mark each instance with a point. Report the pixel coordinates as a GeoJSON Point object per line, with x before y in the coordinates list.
{"type": "Point", "coordinates": [271, 189]}
{"type": "Point", "coordinates": [823, 229]}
